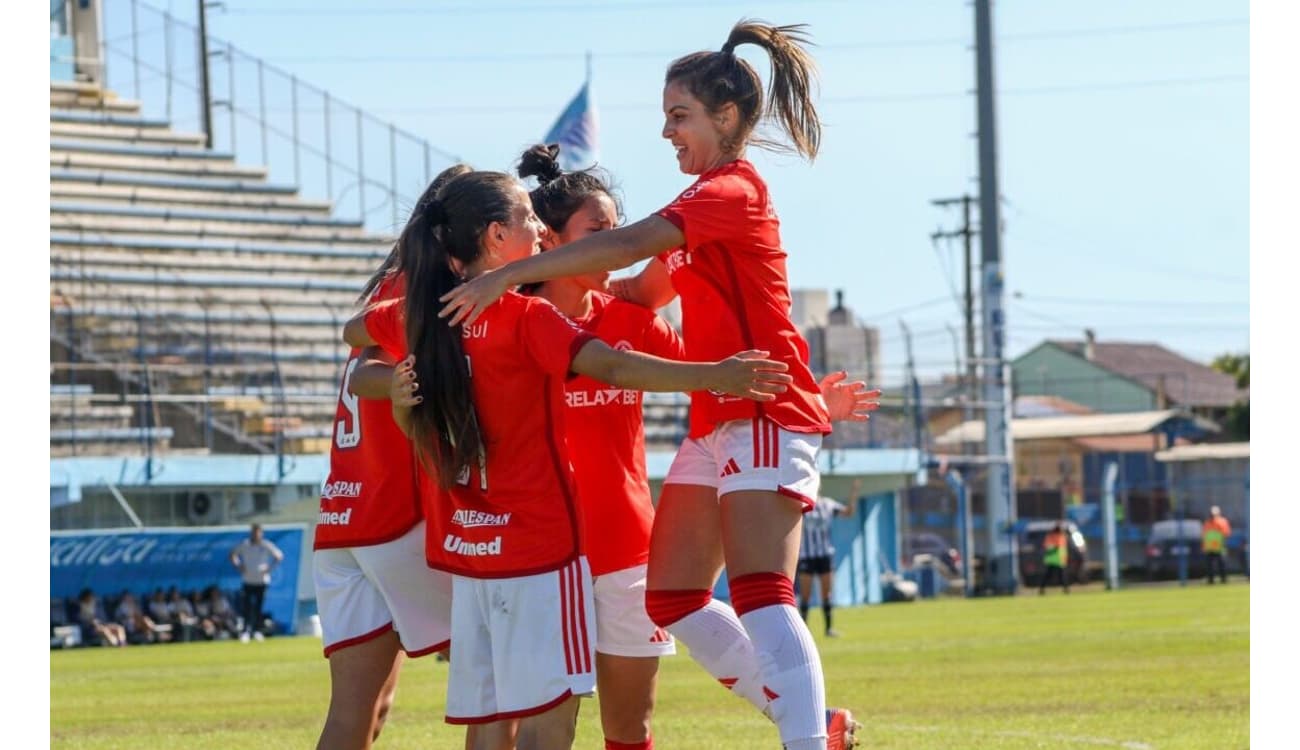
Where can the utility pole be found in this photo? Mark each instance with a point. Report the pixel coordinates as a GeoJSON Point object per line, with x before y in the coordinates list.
{"type": "Point", "coordinates": [967, 233]}
{"type": "Point", "coordinates": [1000, 501]}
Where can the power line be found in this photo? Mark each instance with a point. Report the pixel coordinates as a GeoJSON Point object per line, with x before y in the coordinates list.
{"type": "Point", "coordinates": [857, 99]}
{"type": "Point", "coordinates": [1126, 302]}
{"type": "Point", "coordinates": [480, 9]}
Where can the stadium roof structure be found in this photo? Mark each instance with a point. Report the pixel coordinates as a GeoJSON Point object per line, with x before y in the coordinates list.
{"type": "Point", "coordinates": [1078, 426]}
{"type": "Point", "coordinates": [1205, 452]}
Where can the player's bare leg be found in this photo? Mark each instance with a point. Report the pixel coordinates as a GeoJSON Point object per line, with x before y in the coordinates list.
{"type": "Point", "coordinates": [358, 674]}
{"type": "Point", "coordinates": [626, 686]}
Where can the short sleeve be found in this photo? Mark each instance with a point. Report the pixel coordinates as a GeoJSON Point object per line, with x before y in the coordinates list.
{"type": "Point", "coordinates": [662, 340]}
{"type": "Point", "coordinates": [549, 338]}
{"type": "Point", "coordinates": [386, 324]}
{"type": "Point", "coordinates": [710, 210]}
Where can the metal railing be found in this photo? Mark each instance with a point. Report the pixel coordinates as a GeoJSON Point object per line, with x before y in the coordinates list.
{"type": "Point", "coordinates": [368, 169]}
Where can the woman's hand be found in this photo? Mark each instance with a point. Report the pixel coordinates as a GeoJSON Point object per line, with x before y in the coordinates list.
{"type": "Point", "coordinates": [748, 375]}
{"type": "Point", "coordinates": [848, 402]}
{"type": "Point", "coordinates": [468, 301]}
{"type": "Point", "coordinates": [403, 390]}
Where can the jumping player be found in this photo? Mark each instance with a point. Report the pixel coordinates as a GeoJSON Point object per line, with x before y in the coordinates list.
{"type": "Point", "coordinates": [739, 484]}
{"type": "Point", "coordinates": [492, 426]}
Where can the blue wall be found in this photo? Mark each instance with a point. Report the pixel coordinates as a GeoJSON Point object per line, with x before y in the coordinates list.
{"type": "Point", "coordinates": [864, 544]}
{"type": "Point", "coordinates": [142, 560]}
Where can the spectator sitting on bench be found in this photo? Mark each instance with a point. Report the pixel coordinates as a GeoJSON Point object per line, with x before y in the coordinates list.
{"type": "Point", "coordinates": [221, 613]}
{"type": "Point", "coordinates": [183, 618]}
{"type": "Point", "coordinates": [95, 628]}
{"type": "Point", "coordinates": [139, 627]}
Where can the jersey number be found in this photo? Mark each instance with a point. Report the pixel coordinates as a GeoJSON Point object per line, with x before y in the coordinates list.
{"type": "Point", "coordinates": [346, 436]}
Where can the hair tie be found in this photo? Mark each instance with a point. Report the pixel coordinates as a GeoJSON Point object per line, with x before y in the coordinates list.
{"type": "Point", "coordinates": [437, 212]}
{"type": "Point", "coordinates": [729, 49]}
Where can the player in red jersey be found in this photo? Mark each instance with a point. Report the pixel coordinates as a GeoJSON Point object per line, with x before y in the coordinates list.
{"type": "Point", "coordinates": [741, 481]}
{"type": "Point", "coordinates": [607, 450]}
{"type": "Point", "coordinates": [492, 427]}
{"type": "Point", "coordinates": [375, 596]}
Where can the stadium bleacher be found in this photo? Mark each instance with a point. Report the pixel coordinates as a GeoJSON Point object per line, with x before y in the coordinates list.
{"type": "Point", "coordinates": [195, 305]}
{"type": "Point", "coordinates": [185, 288]}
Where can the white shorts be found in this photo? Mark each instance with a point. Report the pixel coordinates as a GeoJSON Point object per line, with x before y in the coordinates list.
{"type": "Point", "coordinates": [363, 592]}
{"type": "Point", "coordinates": [523, 645]}
{"type": "Point", "coordinates": [751, 454]}
{"type": "Point", "coordinates": [622, 626]}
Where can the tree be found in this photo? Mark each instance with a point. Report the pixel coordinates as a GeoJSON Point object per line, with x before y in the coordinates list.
{"type": "Point", "coordinates": [1237, 423]}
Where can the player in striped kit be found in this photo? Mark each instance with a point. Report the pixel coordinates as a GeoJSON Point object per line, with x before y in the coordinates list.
{"type": "Point", "coordinates": [817, 556]}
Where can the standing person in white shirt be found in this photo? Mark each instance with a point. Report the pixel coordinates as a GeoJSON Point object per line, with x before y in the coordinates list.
{"type": "Point", "coordinates": [817, 554]}
{"type": "Point", "coordinates": [254, 558]}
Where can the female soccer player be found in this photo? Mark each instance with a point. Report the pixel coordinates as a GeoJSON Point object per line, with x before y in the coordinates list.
{"type": "Point", "coordinates": [739, 484]}
{"type": "Point", "coordinates": [492, 426]}
{"type": "Point", "coordinates": [375, 595]}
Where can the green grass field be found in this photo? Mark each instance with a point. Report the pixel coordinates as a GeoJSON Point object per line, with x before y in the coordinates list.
{"type": "Point", "coordinates": [1149, 668]}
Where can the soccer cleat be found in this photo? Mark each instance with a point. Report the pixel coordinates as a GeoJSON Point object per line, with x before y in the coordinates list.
{"type": "Point", "coordinates": [841, 729]}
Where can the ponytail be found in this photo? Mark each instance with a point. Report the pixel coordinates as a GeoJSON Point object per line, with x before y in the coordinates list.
{"type": "Point", "coordinates": [444, 426]}
{"type": "Point", "coordinates": [721, 78]}
{"type": "Point", "coordinates": [391, 265]}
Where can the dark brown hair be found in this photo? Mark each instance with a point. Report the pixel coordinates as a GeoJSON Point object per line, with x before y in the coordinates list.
{"type": "Point", "coordinates": [390, 265]}
{"type": "Point", "coordinates": [444, 427]}
{"type": "Point", "coordinates": [721, 78]}
{"type": "Point", "coordinates": [558, 193]}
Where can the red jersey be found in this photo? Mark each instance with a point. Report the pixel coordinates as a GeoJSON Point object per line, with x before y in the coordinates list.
{"type": "Point", "coordinates": [607, 439]}
{"type": "Point", "coordinates": [516, 513]}
{"type": "Point", "coordinates": [371, 495]}
{"type": "Point", "coordinates": [735, 295]}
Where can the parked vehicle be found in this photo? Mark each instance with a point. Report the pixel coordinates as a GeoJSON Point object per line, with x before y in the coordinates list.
{"type": "Point", "coordinates": [1031, 551]}
{"type": "Point", "coordinates": [1171, 541]}
{"type": "Point", "coordinates": [925, 543]}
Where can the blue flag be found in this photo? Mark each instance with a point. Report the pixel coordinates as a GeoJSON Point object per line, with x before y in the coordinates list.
{"type": "Point", "coordinates": [576, 131]}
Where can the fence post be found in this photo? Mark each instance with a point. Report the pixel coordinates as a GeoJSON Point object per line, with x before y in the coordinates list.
{"type": "Point", "coordinates": [361, 170]}
{"type": "Point", "coordinates": [261, 110]}
{"type": "Point", "coordinates": [230, 104]}
{"type": "Point", "coordinates": [72, 371]}
{"type": "Point", "coordinates": [329, 160]}
{"type": "Point", "coordinates": [1109, 483]}
{"type": "Point", "coordinates": [206, 303]}
{"type": "Point", "coordinates": [167, 53]}
{"type": "Point", "coordinates": [293, 96]}
{"type": "Point", "coordinates": [135, 51]}
{"type": "Point", "coordinates": [392, 176]}
{"type": "Point", "coordinates": [958, 485]}
{"type": "Point", "coordinates": [205, 82]}
{"type": "Point", "coordinates": [277, 385]}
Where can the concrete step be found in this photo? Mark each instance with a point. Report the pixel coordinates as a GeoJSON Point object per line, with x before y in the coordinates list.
{"type": "Point", "coordinates": [207, 183]}
{"type": "Point", "coordinates": [175, 263]}
{"type": "Point", "coordinates": [156, 166]}
{"type": "Point", "coordinates": [362, 248]}
{"type": "Point", "coordinates": [106, 118]}
{"type": "Point", "coordinates": [91, 194]}
{"type": "Point", "coordinates": [142, 150]}
{"type": "Point", "coordinates": [92, 223]}
{"type": "Point", "coordinates": [127, 134]}
{"type": "Point", "coordinates": [93, 100]}
{"type": "Point", "coordinates": [189, 213]}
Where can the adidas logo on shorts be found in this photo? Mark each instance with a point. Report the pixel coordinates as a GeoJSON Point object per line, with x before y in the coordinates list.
{"type": "Point", "coordinates": [731, 468]}
{"type": "Point", "coordinates": [660, 636]}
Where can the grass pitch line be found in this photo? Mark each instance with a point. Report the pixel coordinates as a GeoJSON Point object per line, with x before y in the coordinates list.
{"type": "Point", "coordinates": [1081, 740]}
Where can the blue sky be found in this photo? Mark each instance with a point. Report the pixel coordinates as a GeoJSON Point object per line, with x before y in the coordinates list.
{"type": "Point", "coordinates": [1123, 139]}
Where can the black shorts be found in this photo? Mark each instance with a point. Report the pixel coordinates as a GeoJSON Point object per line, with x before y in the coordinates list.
{"type": "Point", "coordinates": [815, 565]}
